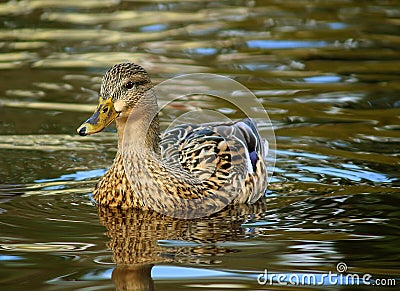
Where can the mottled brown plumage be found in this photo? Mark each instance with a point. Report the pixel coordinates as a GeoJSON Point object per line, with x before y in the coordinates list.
{"type": "Point", "coordinates": [189, 170]}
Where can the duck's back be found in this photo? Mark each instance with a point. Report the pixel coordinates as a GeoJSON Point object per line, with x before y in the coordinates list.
{"type": "Point", "coordinates": [216, 152]}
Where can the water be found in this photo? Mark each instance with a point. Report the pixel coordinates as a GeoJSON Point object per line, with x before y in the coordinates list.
{"type": "Point", "coordinates": [328, 74]}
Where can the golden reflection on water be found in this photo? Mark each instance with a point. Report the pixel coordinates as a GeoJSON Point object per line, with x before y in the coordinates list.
{"type": "Point", "coordinates": [136, 240]}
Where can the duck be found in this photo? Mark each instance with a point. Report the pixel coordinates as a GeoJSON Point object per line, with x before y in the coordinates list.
{"type": "Point", "coordinates": [189, 170]}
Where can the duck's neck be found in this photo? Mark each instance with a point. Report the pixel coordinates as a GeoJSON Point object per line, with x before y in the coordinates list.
{"type": "Point", "coordinates": [139, 130]}
{"type": "Point", "coordinates": [140, 136]}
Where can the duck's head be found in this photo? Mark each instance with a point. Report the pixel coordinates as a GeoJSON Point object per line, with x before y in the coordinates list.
{"type": "Point", "coordinates": [122, 87]}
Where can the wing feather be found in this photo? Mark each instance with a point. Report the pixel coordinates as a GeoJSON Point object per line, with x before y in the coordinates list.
{"type": "Point", "coordinates": [212, 151]}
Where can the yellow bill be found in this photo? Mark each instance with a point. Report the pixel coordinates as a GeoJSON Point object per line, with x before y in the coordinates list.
{"type": "Point", "coordinates": [104, 114]}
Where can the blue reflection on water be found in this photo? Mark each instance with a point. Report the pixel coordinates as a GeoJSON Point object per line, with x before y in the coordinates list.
{"type": "Point", "coordinates": [77, 176]}
{"type": "Point", "coordinates": [337, 25]}
{"type": "Point", "coordinates": [303, 154]}
{"type": "Point", "coordinates": [98, 275]}
{"type": "Point", "coordinates": [355, 175]}
{"type": "Point", "coordinates": [348, 171]}
{"type": "Point", "coordinates": [203, 51]}
{"type": "Point", "coordinates": [302, 178]}
{"type": "Point", "coordinates": [171, 272]}
{"type": "Point", "coordinates": [323, 79]}
{"type": "Point", "coordinates": [153, 27]}
{"type": "Point", "coordinates": [284, 44]}
{"type": "Point", "coordinates": [10, 258]}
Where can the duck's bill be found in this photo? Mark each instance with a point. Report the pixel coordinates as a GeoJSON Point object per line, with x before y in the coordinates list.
{"type": "Point", "coordinates": [104, 114]}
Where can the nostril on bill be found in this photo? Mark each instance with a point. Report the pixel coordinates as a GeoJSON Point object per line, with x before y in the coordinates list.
{"type": "Point", "coordinates": [82, 131]}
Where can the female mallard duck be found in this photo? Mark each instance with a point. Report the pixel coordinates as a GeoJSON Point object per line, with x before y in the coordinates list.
{"type": "Point", "coordinates": [190, 168]}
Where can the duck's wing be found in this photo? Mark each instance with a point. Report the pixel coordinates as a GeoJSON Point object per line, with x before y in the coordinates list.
{"type": "Point", "coordinates": [213, 151]}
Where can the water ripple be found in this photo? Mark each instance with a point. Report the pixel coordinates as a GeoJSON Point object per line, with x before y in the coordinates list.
{"type": "Point", "coordinates": [47, 247]}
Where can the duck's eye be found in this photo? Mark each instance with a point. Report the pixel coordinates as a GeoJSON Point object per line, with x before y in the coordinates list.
{"type": "Point", "coordinates": [129, 85]}
{"type": "Point", "coordinates": [105, 109]}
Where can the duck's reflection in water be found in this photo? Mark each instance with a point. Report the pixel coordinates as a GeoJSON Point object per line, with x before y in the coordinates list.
{"type": "Point", "coordinates": [139, 239]}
